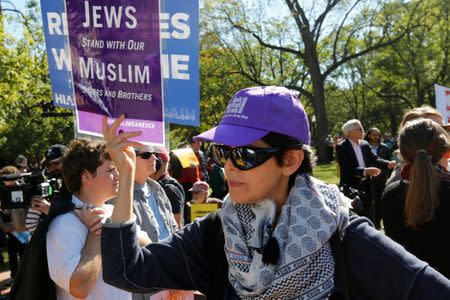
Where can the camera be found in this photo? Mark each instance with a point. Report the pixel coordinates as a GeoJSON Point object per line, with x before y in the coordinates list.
{"type": "Point", "coordinates": [354, 195]}
{"type": "Point", "coordinates": [28, 184]}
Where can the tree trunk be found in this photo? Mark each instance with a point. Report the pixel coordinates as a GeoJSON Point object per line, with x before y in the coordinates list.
{"type": "Point", "coordinates": [321, 129]}
{"type": "Point", "coordinates": [318, 95]}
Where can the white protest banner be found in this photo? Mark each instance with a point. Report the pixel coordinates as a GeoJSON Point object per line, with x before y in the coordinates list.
{"type": "Point", "coordinates": [443, 101]}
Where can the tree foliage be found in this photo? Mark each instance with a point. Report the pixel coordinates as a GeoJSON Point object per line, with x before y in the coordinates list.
{"type": "Point", "coordinates": [306, 45]}
{"type": "Point", "coordinates": [24, 87]}
{"type": "Point", "coordinates": [363, 59]}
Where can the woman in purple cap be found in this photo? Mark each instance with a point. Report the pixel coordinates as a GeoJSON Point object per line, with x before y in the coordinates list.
{"type": "Point", "coordinates": [281, 234]}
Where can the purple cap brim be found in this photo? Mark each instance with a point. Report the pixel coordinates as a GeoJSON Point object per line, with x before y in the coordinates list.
{"type": "Point", "coordinates": [232, 135]}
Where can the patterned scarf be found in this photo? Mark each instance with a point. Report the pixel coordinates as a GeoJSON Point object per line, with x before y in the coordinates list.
{"type": "Point", "coordinates": [312, 213]}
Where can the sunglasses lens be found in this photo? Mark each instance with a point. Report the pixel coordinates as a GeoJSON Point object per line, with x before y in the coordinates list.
{"type": "Point", "coordinates": [219, 155]}
{"type": "Point", "coordinates": [145, 155]}
{"type": "Point", "coordinates": [243, 158]}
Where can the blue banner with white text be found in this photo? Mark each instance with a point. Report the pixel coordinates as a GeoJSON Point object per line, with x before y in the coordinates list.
{"type": "Point", "coordinates": [180, 59]}
{"type": "Point", "coordinates": [58, 56]}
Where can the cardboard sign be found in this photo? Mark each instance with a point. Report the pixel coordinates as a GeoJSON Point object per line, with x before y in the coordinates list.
{"type": "Point", "coordinates": [200, 210]}
{"type": "Point", "coordinates": [186, 156]}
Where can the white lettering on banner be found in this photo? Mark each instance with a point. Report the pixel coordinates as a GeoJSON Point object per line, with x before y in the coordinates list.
{"type": "Point", "coordinates": [140, 124]}
{"type": "Point", "coordinates": [92, 92]}
{"type": "Point", "coordinates": [175, 66]}
{"type": "Point", "coordinates": [110, 94]}
{"type": "Point", "coordinates": [88, 43]}
{"type": "Point", "coordinates": [62, 58]}
{"type": "Point", "coordinates": [115, 45]}
{"type": "Point", "coordinates": [55, 22]}
{"type": "Point", "coordinates": [180, 114]}
{"type": "Point", "coordinates": [64, 99]}
{"type": "Point", "coordinates": [181, 30]}
{"type": "Point", "coordinates": [132, 45]}
{"type": "Point", "coordinates": [112, 15]}
{"type": "Point", "coordinates": [134, 96]}
{"type": "Point", "coordinates": [91, 69]}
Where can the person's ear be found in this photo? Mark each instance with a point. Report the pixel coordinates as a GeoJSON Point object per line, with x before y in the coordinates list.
{"type": "Point", "coordinates": [292, 160]}
{"type": "Point", "coordinates": [86, 177]}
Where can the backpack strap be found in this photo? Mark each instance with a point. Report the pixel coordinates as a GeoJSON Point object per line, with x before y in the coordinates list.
{"type": "Point", "coordinates": [214, 242]}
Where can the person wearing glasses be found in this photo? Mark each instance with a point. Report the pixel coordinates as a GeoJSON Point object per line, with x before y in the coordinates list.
{"type": "Point", "coordinates": [358, 164]}
{"type": "Point", "coordinates": [280, 234]}
{"type": "Point", "coordinates": [151, 205]}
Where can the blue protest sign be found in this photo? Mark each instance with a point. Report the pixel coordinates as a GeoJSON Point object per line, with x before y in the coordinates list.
{"type": "Point", "coordinates": [58, 56]}
{"type": "Point", "coordinates": [180, 36]}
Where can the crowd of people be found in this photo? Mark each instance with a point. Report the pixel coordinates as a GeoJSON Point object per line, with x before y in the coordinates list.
{"type": "Point", "coordinates": [118, 225]}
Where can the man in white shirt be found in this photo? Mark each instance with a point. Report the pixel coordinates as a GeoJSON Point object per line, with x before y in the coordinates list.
{"type": "Point", "coordinates": [357, 164]}
{"type": "Point", "coordinates": [73, 250]}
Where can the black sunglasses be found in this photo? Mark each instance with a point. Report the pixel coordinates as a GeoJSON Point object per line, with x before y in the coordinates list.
{"type": "Point", "coordinates": [147, 154]}
{"type": "Point", "coordinates": [243, 158]}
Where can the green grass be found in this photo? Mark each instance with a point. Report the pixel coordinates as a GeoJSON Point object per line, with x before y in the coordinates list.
{"type": "Point", "coordinates": [327, 173]}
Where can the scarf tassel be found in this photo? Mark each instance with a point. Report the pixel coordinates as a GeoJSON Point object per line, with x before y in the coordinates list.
{"type": "Point", "coordinates": [271, 251]}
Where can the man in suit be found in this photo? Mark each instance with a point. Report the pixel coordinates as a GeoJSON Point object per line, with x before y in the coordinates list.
{"type": "Point", "coordinates": [358, 164]}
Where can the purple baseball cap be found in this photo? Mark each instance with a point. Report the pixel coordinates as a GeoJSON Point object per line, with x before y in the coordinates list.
{"type": "Point", "coordinates": [254, 112]}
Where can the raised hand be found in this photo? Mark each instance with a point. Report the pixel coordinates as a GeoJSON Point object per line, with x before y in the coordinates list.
{"type": "Point", "coordinates": [122, 153]}
{"type": "Point", "coordinates": [118, 146]}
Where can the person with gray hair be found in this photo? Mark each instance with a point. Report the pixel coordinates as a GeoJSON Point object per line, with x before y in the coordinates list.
{"type": "Point", "coordinates": [353, 124]}
{"type": "Point", "coordinates": [358, 164]}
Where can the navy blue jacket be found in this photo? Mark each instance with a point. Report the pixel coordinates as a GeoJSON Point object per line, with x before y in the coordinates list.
{"type": "Point", "coordinates": [377, 267]}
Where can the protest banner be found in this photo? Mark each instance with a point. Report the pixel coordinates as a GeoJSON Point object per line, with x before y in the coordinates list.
{"type": "Point", "coordinates": [200, 210]}
{"type": "Point", "coordinates": [116, 69]}
{"type": "Point", "coordinates": [443, 101]}
{"type": "Point", "coordinates": [58, 57]}
{"type": "Point", "coordinates": [186, 156]}
{"type": "Point", "coordinates": [180, 61]}
{"type": "Point", "coordinates": [180, 58]}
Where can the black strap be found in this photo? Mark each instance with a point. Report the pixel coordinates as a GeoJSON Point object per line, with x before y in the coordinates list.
{"type": "Point", "coordinates": [215, 255]}
{"type": "Point", "coordinates": [340, 270]}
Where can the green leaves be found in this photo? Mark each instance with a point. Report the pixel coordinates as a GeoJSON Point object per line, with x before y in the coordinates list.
{"type": "Point", "coordinates": [24, 85]}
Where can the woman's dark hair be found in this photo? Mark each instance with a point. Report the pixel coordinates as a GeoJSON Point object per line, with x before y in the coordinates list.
{"type": "Point", "coordinates": [175, 167]}
{"type": "Point", "coordinates": [285, 143]}
{"type": "Point", "coordinates": [366, 137]}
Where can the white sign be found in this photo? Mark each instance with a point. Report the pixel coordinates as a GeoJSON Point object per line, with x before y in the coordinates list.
{"type": "Point", "coordinates": [443, 101]}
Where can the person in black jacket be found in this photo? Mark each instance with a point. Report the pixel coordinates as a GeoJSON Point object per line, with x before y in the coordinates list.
{"type": "Point", "coordinates": [358, 164]}
{"type": "Point", "coordinates": [417, 209]}
{"type": "Point", "coordinates": [373, 137]}
{"type": "Point", "coordinates": [278, 233]}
